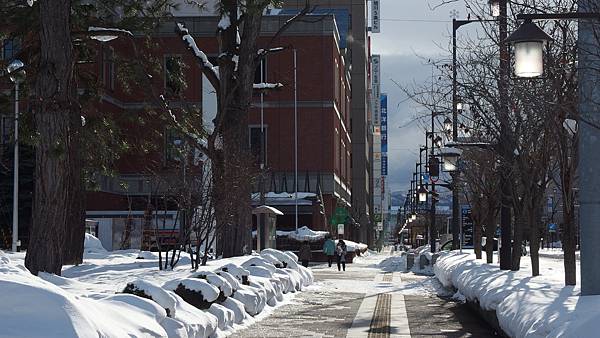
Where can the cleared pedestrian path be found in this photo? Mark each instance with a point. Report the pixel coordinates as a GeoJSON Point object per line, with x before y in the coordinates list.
{"type": "Point", "coordinates": [365, 302]}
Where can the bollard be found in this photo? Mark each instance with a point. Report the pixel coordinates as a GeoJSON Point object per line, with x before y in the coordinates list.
{"type": "Point", "coordinates": [410, 261]}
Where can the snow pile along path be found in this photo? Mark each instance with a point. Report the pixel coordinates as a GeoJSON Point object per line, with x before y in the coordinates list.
{"type": "Point", "coordinates": [525, 306]}
{"type": "Point", "coordinates": [114, 294]}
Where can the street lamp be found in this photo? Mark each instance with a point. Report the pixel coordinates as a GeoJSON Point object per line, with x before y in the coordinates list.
{"type": "Point", "coordinates": [494, 8]}
{"type": "Point", "coordinates": [16, 73]}
{"type": "Point", "coordinates": [528, 41]}
{"type": "Point", "coordinates": [422, 194]}
{"type": "Point", "coordinates": [450, 158]}
{"type": "Point", "coordinates": [447, 124]}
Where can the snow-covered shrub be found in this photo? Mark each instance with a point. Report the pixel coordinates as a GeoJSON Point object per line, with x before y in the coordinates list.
{"type": "Point", "coordinates": [290, 261]}
{"type": "Point", "coordinates": [291, 255]}
{"type": "Point", "coordinates": [307, 275]}
{"type": "Point", "coordinates": [149, 290]}
{"type": "Point", "coordinates": [260, 271]}
{"type": "Point", "coordinates": [234, 282]}
{"type": "Point", "coordinates": [259, 261]}
{"type": "Point", "coordinates": [240, 273]}
{"type": "Point", "coordinates": [272, 288]}
{"type": "Point", "coordinates": [294, 279]}
{"type": "Point", "coordinates": [272, 259]}
{"type": "Point", "coordinates": [237, 308]}
{"type": "Point", "coordinates": [225, 289]}
{"type": "Point", "coordinates": [254, 299]}
{"type": "Point", "coordinates": [224, 315]}
{"type": "Point", "coordinates": [195, 291]}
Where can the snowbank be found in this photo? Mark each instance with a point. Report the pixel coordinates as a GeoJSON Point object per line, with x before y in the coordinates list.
{"type": "Point", "coordinates": [304, 234]}
{"type": "Point", "coordinates": [92, 244]}
{"type": "Point", "coordinates": [88, 300]}
{"type": "Point", "coordinates": [525, 306]}
{"type": "Point", "coordinates": [27, 300]}
{"type": "Point", "coordinates": [353, 246]}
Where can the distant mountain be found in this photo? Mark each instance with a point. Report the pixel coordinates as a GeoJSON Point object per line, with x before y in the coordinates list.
{"type": "Point", "coordinates": [398, 198]}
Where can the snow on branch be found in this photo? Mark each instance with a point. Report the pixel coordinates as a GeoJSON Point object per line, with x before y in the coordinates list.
{"type": "Point", "coordinates": [109, 30]}
{"type": "Point", "coordinates": [191, 44]}
{"type": "Point", "coordinates": [262, 52]}
{"type": "Point", "coordinates": [267, 85]}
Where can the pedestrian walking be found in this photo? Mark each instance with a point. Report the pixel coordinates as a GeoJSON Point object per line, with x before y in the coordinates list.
{"type": "Point", "coordinates": [329, 249]}
{"type": "Point", "coordinates": [340, 250]}
{"type": "Point", "coordinates": [304, 255]}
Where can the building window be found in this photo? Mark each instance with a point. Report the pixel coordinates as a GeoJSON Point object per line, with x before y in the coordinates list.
{"type": "Point", "coordinates": [254, 142]}
{"type": "Point", "coordinates": [174, 75]}
{"type": "Point", "coordinates": [6, 127]}
{"type": "Point", "coordinates": [10, 48]}
{"type": "Point", "coordinates": [173, 144]}
{"type": "Point", "coordinates": [108, 68]}
{"type": "Point", "coordinates": [260, 77]}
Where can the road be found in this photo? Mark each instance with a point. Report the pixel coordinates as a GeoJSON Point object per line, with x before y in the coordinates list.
{"type": "Point", "coordinates": [366, 301]}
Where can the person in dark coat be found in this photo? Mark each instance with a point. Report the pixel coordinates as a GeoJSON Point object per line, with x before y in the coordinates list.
{"type": "Point", "coordinates": [340, 252]}
{"type": "Point", "coordinates": [304, 255]}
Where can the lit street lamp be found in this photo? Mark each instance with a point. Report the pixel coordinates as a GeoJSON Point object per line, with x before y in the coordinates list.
{"type": "Point", "coordinates": [531, 62]}
{"type": "Point", "coordinates": [450, 158]}
{"type": "Point", "coordinates": [528, 42]}
{"type": "Point", "coordinates": [16, 73]}
{"type": "Point", "coordinates": [423, 194]}
{"type": "Point", "coordinates": [447, 124]}
{"type": "Point", "coordinates": [494, 7]}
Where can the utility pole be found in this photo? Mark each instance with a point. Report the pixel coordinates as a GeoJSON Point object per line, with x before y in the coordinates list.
{"type": "Point", "coordinates": [504, 143]}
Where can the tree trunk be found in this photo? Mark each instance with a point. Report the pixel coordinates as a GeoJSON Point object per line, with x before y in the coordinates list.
{"type": "Point", "coordinates": [477, 229]}
{"type": "Point", "coordinates": [517, 240]}
{"type": "Point", "coordinates": [490, 231]}
{"type": "Point", "coordinates": [534, 243]}
{"type": "Point", "coordinates": [56, 169]}
{"type": "Point", "coordinates": [569, 246]}
{"type": "Point", "coordinates": [75, 235]}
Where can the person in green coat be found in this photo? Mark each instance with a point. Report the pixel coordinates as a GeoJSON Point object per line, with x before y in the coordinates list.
{"type": "Point", "coordinates": [329, 249]}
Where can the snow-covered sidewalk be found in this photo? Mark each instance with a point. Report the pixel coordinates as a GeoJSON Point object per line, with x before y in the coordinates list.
{"type": "Point", "coordinates": [525, 306]}
{"type": "Point", "coordinates": [116, 294]}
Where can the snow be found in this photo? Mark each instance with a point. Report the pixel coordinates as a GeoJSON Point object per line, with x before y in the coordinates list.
{"type": "Point", "coordinates": [92, 245]}
{"type": "Point", "coordinates": [209, 292]}
{"type": "Point", "coordinates": [525, 306]}
{"type": "Point", "coordinates": [109, 30]}
{"type": "Point", "coordinates": [353, 246]}
{"type": "Point", "coordinates": [87, 300]}
{"type": "Point", "coordinates": [225, 21]}
{"type": "Point", "coordinates": [159, 295]}
{"type": "Point", "coordinates": [212, 278]}
{"type": "Point", "coordinates": [267, 85]}
{"type": "Point", "coordinates": [303, 234]}
{"type": "Point", "coordinates": [191, 43]}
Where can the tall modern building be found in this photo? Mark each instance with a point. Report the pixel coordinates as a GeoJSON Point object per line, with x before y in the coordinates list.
{"type": "Point", "coordinates": [356, 49]}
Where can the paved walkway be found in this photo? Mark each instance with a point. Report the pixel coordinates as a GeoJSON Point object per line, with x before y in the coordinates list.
{"type": "Point", "coordinates": [365, 302]}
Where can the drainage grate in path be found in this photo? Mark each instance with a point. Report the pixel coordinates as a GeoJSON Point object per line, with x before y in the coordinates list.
{"type": "Point", "coordinates": [388, 277]}
{"type": "Point", "coordinates": [380, 325]}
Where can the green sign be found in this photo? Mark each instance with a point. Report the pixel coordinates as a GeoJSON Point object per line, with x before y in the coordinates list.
{"type": "Point", "coordinates": [340, 215]}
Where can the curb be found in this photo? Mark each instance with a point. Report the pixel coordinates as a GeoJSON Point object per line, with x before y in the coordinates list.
{"type": "Point", "coordinates": [489, 316]}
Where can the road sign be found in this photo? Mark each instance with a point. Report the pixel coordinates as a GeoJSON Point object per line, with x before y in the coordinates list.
{"type": "Point", "coordinates": [552, 227]}
{"type": "Point", "coordinates": [340, 229]}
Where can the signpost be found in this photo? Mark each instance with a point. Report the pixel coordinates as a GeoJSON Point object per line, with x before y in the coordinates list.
{"type": "Point", "coordinates": [467, 227]}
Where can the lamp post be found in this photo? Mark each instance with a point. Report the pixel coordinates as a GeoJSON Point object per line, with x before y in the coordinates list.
{"type": "Point", "coordinates": [16, 73]}
{"type": "Point", "coordinates": [530, 62]}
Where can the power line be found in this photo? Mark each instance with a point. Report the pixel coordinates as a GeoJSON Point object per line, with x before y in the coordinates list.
{"type": "Point", "coordinates": [416, 20]}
